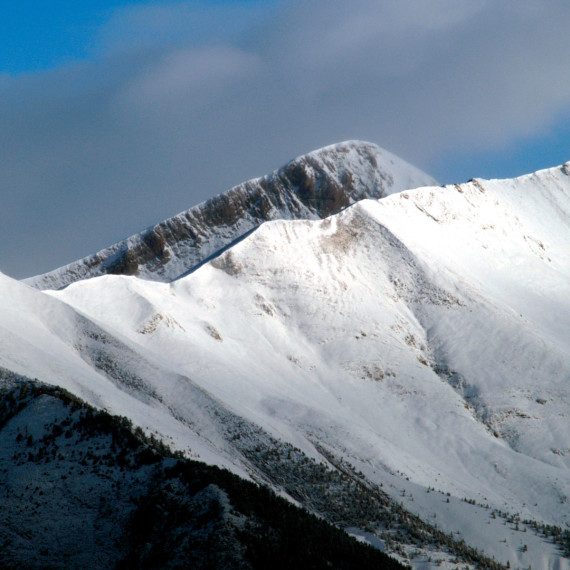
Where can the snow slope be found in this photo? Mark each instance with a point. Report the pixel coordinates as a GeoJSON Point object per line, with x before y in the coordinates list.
{"type": "Point", "coordinates": [42, 337]}
{"type": "Point", "coordinates": [422, 335]}
{"type": "Point", "coordinates": [421, 338]}
{"type": "Point", "coordinates": [80, 489]}
{"type": "Point", "coordinates": [312, 186]}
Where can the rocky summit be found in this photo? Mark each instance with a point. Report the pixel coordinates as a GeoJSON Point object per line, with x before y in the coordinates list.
{"type": "Point", "coordinates": [311, 187]}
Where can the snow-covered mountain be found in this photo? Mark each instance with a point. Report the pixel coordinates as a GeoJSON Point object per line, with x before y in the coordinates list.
{"type": "Point", "coordinates": [417, 343]}
{"type": "Point", "coordinates": [311, 187]}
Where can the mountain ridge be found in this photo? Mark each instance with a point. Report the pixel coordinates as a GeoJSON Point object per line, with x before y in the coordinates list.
{"type": "Point", "coordinates": [312, 186]}
{"type": "Point", "coordinates": [416, 342]}
{"type": "Point", "coordinates": [438, 304]}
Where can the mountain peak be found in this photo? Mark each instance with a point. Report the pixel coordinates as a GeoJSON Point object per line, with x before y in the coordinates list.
{"type": "Point", "coordinates": [312, 186]}
{"type": "Point", "coordinates": [415, 344]}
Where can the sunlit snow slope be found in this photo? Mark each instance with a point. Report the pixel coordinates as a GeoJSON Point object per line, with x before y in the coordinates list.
{"type": "Point", "coordinates": [425, 333]}
{"type": "Point", "coordinates": [421, 337]}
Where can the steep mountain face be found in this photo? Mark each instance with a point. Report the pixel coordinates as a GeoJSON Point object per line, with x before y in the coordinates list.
{"type": "Point", "coordinates": [415, 345]}
{"type": "Point", "coordinates": [311, 187]}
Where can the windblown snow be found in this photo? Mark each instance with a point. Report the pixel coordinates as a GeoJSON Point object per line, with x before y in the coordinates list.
{"type": "Point", "coordinates": [421, 337]}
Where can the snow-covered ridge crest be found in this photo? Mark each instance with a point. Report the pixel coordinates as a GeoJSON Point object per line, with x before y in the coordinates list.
{"type": "Point", "coordinates": [312, 186]}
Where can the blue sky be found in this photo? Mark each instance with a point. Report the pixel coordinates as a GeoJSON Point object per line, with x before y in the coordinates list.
{"type": "Point", "coordinates": [38, 36]}
{"type": "Point", "coordinates": [114, 116]}
{"type": "Point", "coordinates": [42, 35]}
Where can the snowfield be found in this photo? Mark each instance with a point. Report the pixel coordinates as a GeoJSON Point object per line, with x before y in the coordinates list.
{"type": "Point", "coordinates": [421, 338]}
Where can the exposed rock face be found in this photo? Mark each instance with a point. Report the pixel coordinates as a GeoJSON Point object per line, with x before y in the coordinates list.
{"type": "Point", "coordinates": [313, 186]}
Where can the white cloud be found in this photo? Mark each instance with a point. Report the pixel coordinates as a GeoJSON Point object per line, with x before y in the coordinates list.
{"type": "Point", "coordinates": [192, 78]}
{"type": "Point", "coordinates": [143, 26]}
